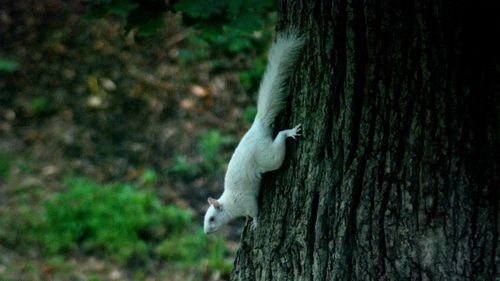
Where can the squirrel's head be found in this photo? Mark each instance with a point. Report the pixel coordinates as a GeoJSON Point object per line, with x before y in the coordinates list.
{"type": "Point", "coordinates": [216, 217]}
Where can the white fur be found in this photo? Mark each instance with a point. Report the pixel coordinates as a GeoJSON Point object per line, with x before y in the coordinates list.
{"type": "Point", "coordinates": [257, 151]}
{"type": "Point", "coordinates": [282, 56]}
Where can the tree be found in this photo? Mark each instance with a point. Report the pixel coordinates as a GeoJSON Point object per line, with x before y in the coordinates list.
{"type": "Point", "coordinates": [397, 175]}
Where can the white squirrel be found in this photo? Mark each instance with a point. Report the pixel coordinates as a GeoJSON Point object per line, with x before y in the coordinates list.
{"type": "Point", "coordinates": [257, 152]}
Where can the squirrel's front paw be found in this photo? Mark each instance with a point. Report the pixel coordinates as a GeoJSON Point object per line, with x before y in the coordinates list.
{"type": "Point", "coordinates": [254, 224]}
{"type": "Point", "coordinates": [295, 132]}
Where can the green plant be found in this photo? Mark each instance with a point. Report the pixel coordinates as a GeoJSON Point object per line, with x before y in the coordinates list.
{"type": "Point", "coordinates": [146, 17]}
{"type": "Point", "coordinates": [250, 113]}
{"type": "Point", "coordinates": [8, 65]}
{"type": "Point", "coordinates": [94, 277]}
{"type": "Point", "coordinates": [20, 224]}
{"type": "Point", "coordinates": [185, 249]}
{"type": "Point", "coordinates": [198, 49]}
{"type": "Point", "coordinates": [196, 249]}
{"type": "Point", "coordinates": [209, 147]}
{"type": "Point", "coordinates": [114, 220]}
{"type": "Point", "coordinates": [250, 77]}
{"type": "Point", "coordinates": [5, 164]}
{"type": "Point", "coordinates": [217, 256]}
{"type": "Point", "coordinates": [181, 166]}
{"type": "Point", "coordinates": [214, 17]}
{"type": "Point", "coordinates": [217, 28]}
{"type": "Point", "coordinates": [149, 176]}
{"type": "Point", "coordinates": [38, 105]}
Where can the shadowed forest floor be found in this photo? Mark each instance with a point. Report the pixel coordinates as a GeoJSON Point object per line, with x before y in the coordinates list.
{"type": "Point", "coordinates": [83, 100]}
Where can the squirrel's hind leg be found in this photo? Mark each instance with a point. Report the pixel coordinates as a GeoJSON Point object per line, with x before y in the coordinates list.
{"type": "Point", "coordinates": [271, 157]}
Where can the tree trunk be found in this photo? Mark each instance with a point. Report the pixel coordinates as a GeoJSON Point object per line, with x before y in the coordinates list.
{"type": "Point", "coordinates": [397, 175]}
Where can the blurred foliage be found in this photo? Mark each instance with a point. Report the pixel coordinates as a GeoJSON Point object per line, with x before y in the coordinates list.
{"type": "Point", "coordinates": [8, 65]}
{"type": "Point", "coordinates": [200, 50]}
{"type": "Point", "coordinates": [250, 77]}
{"type": "Point", "coordinates": [38, 105]}
{"type": "Point", "coordinates": [215, 17]}
{"type": "Point", "coordinates": [5, 164]}
{"type": "Point", "coordinates": [144, 16]}
{"type": "Point", "coordinates": [209, 147]}
{"type": "Point", "coordinates": [116, 221]}
{"type": "Point", "coordinates": [182, 166]}
{"type": "Point", "coordinates": [250, 68]}
{"type": "Point", "coordinates": [149, 176]}
{"type": "Point", "coordinates": [250, 113]}
{"type": "Point", "coordinates": [188, 250]}
{"type": "Point", "coordinates": [228, 26]}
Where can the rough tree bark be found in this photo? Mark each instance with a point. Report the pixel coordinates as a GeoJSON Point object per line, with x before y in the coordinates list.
{"type": "Point", "coordinates": [397, 175]}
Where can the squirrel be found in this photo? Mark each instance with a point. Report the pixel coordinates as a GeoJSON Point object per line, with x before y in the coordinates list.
{"type": "Point", "coordinates": [257, 151]}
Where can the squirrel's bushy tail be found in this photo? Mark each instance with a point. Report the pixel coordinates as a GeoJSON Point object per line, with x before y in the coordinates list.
{"type": "Point", "coordinates": [272, 94]}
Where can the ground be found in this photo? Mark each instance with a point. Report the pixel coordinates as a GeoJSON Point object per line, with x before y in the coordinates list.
{"type": "Point", "coordinates": [86, 100]}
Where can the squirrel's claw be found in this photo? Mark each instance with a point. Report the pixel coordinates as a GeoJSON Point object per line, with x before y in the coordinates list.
{"type": "Point", "coordinates": [254, 224]}
{"type": "Point", "coordinates": [295, 132]}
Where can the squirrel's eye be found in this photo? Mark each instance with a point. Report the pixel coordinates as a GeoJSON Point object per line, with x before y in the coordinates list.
{"type": "Point", "coordinates": [212, 219]}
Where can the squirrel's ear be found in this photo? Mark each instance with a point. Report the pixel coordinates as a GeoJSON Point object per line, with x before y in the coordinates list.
{"type": "Point", "coordinates": [214, 202]}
